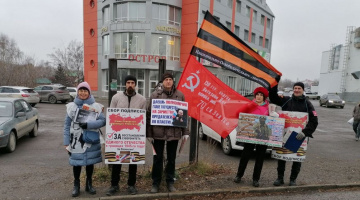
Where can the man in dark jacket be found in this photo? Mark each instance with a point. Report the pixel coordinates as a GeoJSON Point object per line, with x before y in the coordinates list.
{"type": "Point", "coordinates": [298, 103]}
{"type": "Point", "coordinates": [127, 99]}
{"type": "Point", "coordinates": [158, 135]}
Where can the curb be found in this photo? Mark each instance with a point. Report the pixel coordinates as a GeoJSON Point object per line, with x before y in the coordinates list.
{"type": "Point", "coordinates": [178, 195]}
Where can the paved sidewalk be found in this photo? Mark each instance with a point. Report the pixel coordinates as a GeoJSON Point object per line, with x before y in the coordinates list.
{"type": "Point", "coordinates": [179, 195]}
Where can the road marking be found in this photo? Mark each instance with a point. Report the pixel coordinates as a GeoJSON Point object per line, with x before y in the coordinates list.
{"type": "Point", "coordinates": [320, 130]}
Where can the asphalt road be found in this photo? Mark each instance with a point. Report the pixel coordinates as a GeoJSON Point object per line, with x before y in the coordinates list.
{"type": "Point", "coordinates": [39, 168]}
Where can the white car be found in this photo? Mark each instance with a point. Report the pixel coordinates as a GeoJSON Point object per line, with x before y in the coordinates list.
{"type": "Point", "coordinates": [228, 145]}
{"type": "Point", "coordinates": [73, 92]}
{"type": "Point", "coordinates": [28, 94]}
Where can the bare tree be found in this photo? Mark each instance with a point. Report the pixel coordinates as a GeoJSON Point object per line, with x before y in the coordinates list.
{"type": "Point", "coordinates": [71, 58]}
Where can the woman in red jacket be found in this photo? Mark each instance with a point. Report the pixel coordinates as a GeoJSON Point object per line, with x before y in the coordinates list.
{"type": "Point", "coordinates": [260, 95]}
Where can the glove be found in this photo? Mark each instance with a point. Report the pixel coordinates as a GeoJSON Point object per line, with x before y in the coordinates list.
{"type": "Point", "coordinates": [185, 137]}
{"type": "Point", "coordinates": [300, 136]}
{"type": "Point", "coordinates": [83, 125]}
{"type": "Point", "coordinates": [151, 140]}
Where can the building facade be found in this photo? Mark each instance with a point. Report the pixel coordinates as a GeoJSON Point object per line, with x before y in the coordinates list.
{"type": "Point", "coordinates": [139, 33]}
{"type": "Point", "coordinates": [340, 68]}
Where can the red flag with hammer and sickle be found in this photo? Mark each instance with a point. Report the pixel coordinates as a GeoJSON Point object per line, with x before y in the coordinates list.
{"type": "Point", "coordinates": [210, 100]}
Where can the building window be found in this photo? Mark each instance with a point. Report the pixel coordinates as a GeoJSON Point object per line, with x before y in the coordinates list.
{"type": "Point", "coordinates": [166, 14]}
{"type": "Point", "coordinates": [246, 35]}
{"type": "Point", "coordinates": [261, 41]}
{"type": "Point", "coordinates": [268, 23]}
{"type": "Point", "coordinates": [106, 45]}
{"type": "Point", "coordinates": [166, 45]}
{"type": "Point", "coordinates": [174, 16]}
{"type": "Point", "coordinates": [267, 43]}
{"type": "Point", "coordinates": [127, 44]}
{"type": "Point", "coordinates": [253, 38]}
{"type": "Point", "coordinates": [154, 78]}
{"type": "Point", "coordinates": [237, 31]}
{"type": "Point", "coordinates": [262, 19]}
{"type": "Point", "coordinates": [130, 11]}
{"type": "Point", "coordinates": [247, 11]}
{"type": "Point", "coordinates": [228, 25]}
{"type": "Point", "coordinates": [229, 3]}
{"type": "Point", "coordinates": [254, 15]}
{"type": "Point", "coordinates": [106, 15]}
{"type": "Point", "coordinates": [105, 79]}
{"type": "Point", "coordinates": [238, 6]}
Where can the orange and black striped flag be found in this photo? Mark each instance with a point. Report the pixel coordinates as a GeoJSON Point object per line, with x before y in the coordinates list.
{"type": "Point", "coordinates": [219, 45]}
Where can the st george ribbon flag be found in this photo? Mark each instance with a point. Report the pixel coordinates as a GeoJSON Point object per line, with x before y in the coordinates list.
{"type": "Point", "coordinates": [219, 45]}
{"type": "Point", "coordinates": [211, 101]}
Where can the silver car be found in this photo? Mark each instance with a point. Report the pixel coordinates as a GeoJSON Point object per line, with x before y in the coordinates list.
{"type": "Point", "coordinates": [331, 100]}
{"type": "Point", "coordinates": [73, 92]}
{"type": "Point", "coordinates": [28, 94]}
{"type": "Point", "coordinates": [17, 118]}
{"type": "Point", "coordinates": [53, 93]}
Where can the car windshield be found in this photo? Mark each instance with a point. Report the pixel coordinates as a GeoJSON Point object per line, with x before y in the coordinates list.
{"type": "Point", "coordinates": [334, 97]}
{"type": "Point", "coordinates": [71, 90]}
{"type": "Point", "coordinates": [5, 109]}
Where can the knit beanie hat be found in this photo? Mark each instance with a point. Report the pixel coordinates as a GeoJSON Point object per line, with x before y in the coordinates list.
{"type": "Point", "coordinates": [130, 77]}
{"type": "Point", "coordinates": [261, 90]}
{"type": "Point", "coordinates": [167, 75]}
{"type": "Point", "coordinates": [299, 84]}
{"type": "Point", "coordinates": [84, 85]}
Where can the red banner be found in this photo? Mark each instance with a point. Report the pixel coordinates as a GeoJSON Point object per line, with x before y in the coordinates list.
{"type": "Point", "coordinates": [210, 100]}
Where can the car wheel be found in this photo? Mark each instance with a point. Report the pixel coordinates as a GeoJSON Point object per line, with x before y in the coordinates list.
{"type": "Point", "coordinates": [226, 145]}
{"type": "Point", "coordinates": [52, 99]}
{"type": "Point", "coordinates": [33, 104]}
{"type": "Point", "coordinates": [342, 107]}
{"type": "Point", "coordinates": [11, 145]}
{"type": "Point", "coordinates": [34, 132]}
{"type": "Point", "coordinates": [202, 135]}
{"type": "Point", "coordinates": [64, 101]}
{"type": "Point", "coordinates": [318, 98]}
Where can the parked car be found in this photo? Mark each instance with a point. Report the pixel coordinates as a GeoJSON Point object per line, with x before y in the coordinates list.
{"type": "Point", "coordinates": [73, 92]}
{"type": "Point", "coordinates": [28, 94]}
{"type": "Point", "coordinates": [310, 95]}
{"type": "Point", "coordinates": [331, 100]}
{"type": "Point", "coordinates": [53, 93]}
{"type": "Point", "coordinates": [17, 118]}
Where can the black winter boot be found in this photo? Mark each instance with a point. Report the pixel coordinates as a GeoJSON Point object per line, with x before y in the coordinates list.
{"type": "Point", "coordinates": [89, 188]}
{"type": "Point", "coordinates": [76, 189]}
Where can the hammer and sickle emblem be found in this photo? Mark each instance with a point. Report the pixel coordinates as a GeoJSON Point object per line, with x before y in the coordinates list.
{"type": "Point", "coordinates": [190, 79]}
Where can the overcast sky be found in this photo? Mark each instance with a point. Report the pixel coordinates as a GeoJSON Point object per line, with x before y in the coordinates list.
{"type": "Point", "coordinates": [39, 26]}
{"type": "Point", "coordinates": [303, 29]}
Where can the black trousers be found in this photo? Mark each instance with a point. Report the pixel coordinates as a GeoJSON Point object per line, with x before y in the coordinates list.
{"type": "Point", "coordinates": [171, 147]}
{"type": "Point", "coordinates": [115, 175]}
{"type": "Point", "coordinates": [77, 172]}
{"type": "Point", "coordinates": [245, 156]}
{"type": "Point", "coordinates": [295, 169]}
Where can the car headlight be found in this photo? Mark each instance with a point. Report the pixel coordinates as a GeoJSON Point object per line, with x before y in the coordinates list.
{"type": "Point", "coordinates": [343, 101]}
{"type": "Point", "coordinates": [1, 132]}
{"type": "Point", "coordinates": [331, 101]}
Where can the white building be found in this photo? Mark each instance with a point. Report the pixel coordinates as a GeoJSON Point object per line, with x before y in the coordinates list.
{"type": "Point", "coordinates": [340, 68]}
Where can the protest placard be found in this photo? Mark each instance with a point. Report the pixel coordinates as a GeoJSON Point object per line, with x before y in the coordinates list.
{"type": "Point", "coordinates": [294, 122]}
{"type": "Point", "coordinates": [125, 136]}
{"type": "Point", "coordinates": [260, 129]}
{"type": "Point", "coordinates": [168, 112]}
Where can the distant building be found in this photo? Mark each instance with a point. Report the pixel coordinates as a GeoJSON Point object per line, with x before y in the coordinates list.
{"type": "Point", "coordinates": [142, 32]}
{"type": "Point", "coordinates": [340, 68]}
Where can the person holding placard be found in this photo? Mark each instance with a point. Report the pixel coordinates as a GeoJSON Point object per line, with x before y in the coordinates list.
{"type": "Point", "coordinates": [263, 132]}
{"type": "Point", "coordinates": [297, 102]}
{"type": "Point", "coordinates": [158, 135]}
{"type": "Point", "coordinates": [127, 99]}
{"type": "Point", "coordinates": [82, 139]}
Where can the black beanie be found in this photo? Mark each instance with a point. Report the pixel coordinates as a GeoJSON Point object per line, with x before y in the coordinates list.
{"type": "Point", "coordinates": [130, 77]}
{"type": "Point", "coordinates": [299, 84]}
{"type": "Point", "coordinates": [167, 75]}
